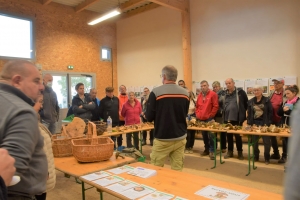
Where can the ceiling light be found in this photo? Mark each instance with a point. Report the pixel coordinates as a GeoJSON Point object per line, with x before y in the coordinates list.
{"type": "Point", "coordinates": [106, 16]}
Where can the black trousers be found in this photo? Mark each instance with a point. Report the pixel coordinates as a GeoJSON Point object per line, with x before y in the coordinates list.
{"type": "Point", "coordinates": [120, 138]}
{"type": "Point", "coordinates": [238, 138]}
{"type": "Point", "coordinates": [41, 196]}
{"type": "Point", "coordinates": [274, 142]}
{"type": "Point", "coordinates": [190, 139]}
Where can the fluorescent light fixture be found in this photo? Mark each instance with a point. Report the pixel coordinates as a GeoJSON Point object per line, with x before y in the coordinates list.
{"type": "Point", "coordinates": [106, 16]}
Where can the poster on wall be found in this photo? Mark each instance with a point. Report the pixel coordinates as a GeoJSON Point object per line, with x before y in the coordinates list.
{"type": "Point", "coordinates": [264, 82]}
{"type": "Point", "coordinates": [249, 84]}
{"type": "Point", "coordinates": [137, 91]}
{"type": "Point", "coordinates": [130, 89]}
{"type": "Point", "coordinates": [289, 81]}
{"type": "Point", "coordinates": [196, 88]}
{"type": "Point", "coordinates": [210, 84]}
{"type": "Point", "coordinates": [240, 84]}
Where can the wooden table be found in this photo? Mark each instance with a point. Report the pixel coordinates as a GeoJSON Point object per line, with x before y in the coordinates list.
{"type": "Point", "coordinates": [215, 132]}
{"type": "Point", "coordinates": [183, 184]}
{"type": "Point", "coordinates": [251, 143]}
{"type": "Point", "coordinates": [71, 167]}
{"type": "Point", "coordinates": [130, 131]}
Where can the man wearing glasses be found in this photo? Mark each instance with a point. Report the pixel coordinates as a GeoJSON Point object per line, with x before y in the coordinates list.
{"type": "Point", "coordinates": [168, 107]}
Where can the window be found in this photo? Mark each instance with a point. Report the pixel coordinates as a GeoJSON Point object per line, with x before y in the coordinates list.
{"type": "Point", "coordinates": [106, 54]}
{"type": "Point", "coordinates": [16, 37]}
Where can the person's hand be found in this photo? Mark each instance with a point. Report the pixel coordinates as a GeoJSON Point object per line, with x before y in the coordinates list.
{"type": "Point", "coordinates": [91, 103]}
{"type": "Point", "coordinates": [286, 108]}
{"type": "Point", "coordinates": [7, 168]}
{"type": "Point", "coordinates": [80, 106]}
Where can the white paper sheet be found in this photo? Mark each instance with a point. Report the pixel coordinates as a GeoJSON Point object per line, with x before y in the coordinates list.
{"type": "Point", "coordinates": [180, 198]}
{"type": "Point", "coordinates": [239, 84]}
{"type": "Point", "coordinates": [289, 81]}
{"type": "Point", "coordinates": [96, 175]}
{"type": "Point", "coordinates": [264, 82]}
{"type": "Point", "coordinates": [214, 192]}
{"type": "Point", "coordinates": [137, 192]}
{"type": "Point", "coordinates": [122, 186]}
{"type": "Point", "coordinates": [158, 196]}
{"type": "Point", "coordinates": [120, 170]}
{"type": "Point", "coordinates": [249, 84]}
{"type": "Point", "coordinates": [142, 172]}
{"type": "Point", "coordinates": [108, 180]}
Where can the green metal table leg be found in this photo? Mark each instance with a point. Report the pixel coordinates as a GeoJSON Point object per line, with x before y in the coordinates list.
{"type": "Point", "coordinates": [101, 195]}
{"type": "Point", "coordinates": [222, 162]}
{"type": "Point", "coordinates": [249, 154]}
{"type": "Point", "coordinates": [82, 190]}
{"type": "Point", "coordinates": [141, 141]}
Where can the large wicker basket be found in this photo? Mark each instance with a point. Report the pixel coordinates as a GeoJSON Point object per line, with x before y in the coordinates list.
{"type": "Point", "coordinates": [62, 144]}
{"type": "Point", "coordinates": [92, 148]}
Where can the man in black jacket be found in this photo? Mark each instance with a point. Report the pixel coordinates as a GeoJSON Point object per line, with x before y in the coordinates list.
{"type": "Point", "coordinates": [95, 112]}
{"type": "Point", "coordinates": [82, 104]}
{"type": "Point", "coordinates": [168, 106]}
{"type": "Point", "coordinates": [109, 107]}
{"type": "Point", "coordinates": [235, 102]}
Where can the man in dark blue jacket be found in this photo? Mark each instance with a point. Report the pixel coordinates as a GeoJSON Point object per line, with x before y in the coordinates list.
{"type": "Point", "coordinates": [95, 112]}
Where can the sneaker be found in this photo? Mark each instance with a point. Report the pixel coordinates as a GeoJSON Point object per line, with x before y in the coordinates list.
{"type": "Point", "coordinates": [275, 156]}
{"type": "Point", "coordinates": [229, 154]}
{"type": "Point", "coordinates": [212, 155]}
{"type": "Point", "coordinates": [282, 160]}
{"type": "Point", "coordinates": [204, 153]}
{"type": "Point", "coordinates": [267, 162]}
{"type": "Point", "coordinates": [224, 150]}
{"type": "Point", "coordinates": [186, 151]}
{"type": "Point", "coordinates": [191, 151]}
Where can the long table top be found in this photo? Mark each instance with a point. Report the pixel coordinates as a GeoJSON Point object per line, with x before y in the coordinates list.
{"type": "Point", "coordinates": [281, 134]}
{"type": "Point", "coordinates": [70, 166]}
{"type": "Point", "coordinates": [146, 128]}
{"type": "Point", "coordinates": [184, 184]}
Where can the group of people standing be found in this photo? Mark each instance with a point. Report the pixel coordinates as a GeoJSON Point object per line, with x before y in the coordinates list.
{"type": "Point", "coordinates": [124, 109]}
{"type": "Point", "coordinates": [231, 105]}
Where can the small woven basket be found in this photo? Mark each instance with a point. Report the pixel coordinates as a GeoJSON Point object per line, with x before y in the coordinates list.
{"type": "Point", "coordinates": [61, 144]}
{"type": "Point", "coordinates": [100, 127]}
{"type": "Point", "coordinates": [92, 148]}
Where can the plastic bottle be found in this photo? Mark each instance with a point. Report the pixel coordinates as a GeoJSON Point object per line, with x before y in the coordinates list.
{"type": "Point", "coordinates": [109, 124]}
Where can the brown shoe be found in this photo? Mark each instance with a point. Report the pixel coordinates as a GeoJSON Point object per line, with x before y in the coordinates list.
{"type": "Point", "coordinates": [204, 153]}
{"type": "Point", "coordinates": [228, 155]}
{"type": "Point", "coordinates": [224, 150]}
{"type": "Point", "coordinates": [212, 155]}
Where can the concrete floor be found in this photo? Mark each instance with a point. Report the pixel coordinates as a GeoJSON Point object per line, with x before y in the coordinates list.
{"type": "Point", "coordinates": [265, 177]}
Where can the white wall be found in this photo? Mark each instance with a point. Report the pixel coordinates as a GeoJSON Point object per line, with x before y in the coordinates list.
{"type": "Point", "coordinates": [244, 39]}
{"type": "Point", "coordinates": [230, 38]}
{"type": "Point", "coordinates": [145, 44]}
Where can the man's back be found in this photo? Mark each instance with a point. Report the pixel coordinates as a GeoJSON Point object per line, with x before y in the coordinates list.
{"type": "Point", "coordinates": [168, 106]}
{"type": "Point", "coordinates": [19, 135]}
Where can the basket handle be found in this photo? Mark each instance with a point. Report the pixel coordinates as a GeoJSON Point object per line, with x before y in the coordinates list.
{"type": "Point", "coordinates": [92, 131]}
{"type": "Point", "coordinates": [64, 131]}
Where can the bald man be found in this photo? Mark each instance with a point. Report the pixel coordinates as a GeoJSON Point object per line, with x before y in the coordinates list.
{"type": "Point", "coordinates": [235, 103]}
{"type": "Point", "coordinates": [20, 86]}
{"type": "Point", "coordinates": [50, 112]}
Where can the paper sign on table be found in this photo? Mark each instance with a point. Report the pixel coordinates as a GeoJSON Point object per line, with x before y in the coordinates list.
{"type": "Point", "coordinates": [137, 192]}
{"type": "Point", "coordinates": [180, 198]}
{"type": "Point", "coordinates": [96, 175]}
{"type": "Point", "coordinates": [121, 186]}
{"type": "Point", "coordinates": [158, 196]}
{"type": "Point", "coordinates": [120, 170]}
{"type": "Point", "coordinates": [213, 192]}
{"type": "Point", "coordinates": [142, 172]}
{"type": "Point", "coordinates": [108, 180]}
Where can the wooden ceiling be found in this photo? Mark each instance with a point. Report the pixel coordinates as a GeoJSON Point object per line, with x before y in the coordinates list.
{"type": "Point", "coordinates": [128, 7]}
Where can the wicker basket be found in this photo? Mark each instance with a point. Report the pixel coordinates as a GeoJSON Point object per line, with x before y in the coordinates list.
{"type": "Point", "coordinates": [62, 144]}
{"type": "Point", "coordinates": [92, 149]}
{"type": "Point", "coordinates": [100, 127]}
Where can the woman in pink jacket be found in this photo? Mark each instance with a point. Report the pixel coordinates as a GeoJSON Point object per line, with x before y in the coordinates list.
{"type": "Point", "coordinates": [131, 112]}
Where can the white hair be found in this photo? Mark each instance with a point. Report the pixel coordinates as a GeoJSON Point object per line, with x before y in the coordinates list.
{"type": "Point", "coordinates": [258, 87]}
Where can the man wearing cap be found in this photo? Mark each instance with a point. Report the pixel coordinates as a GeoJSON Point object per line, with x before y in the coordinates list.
{"type": "Point", "coordinates": [276, 97]}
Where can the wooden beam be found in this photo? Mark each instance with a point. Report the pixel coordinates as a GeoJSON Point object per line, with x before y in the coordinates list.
{"type": "Point", "coordinates": [84, 5]}
{"type": "Point", "coordinates": [130, 4]}
{"type": "Point", "coordinates": [186, 46]}
{"type": "Point", "coordinates": [139, 10]}
{"type": "Point", "coordinates": [45, 2]}
{"type": "Point", "coordinates": [178, 5]}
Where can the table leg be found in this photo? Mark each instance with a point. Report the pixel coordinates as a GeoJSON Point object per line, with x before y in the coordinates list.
{"type": "Point", "coordinates": [82, 190]}
{"type": "Point", "coordinates": [101, 195]}
{"type": "Point", "coordinates": [215, 149]}
{"type": "Point", "coordinates": [221, 162]}
{"type": "Point", "coordinates": [251, 155]}
{"type": "Point", "coordinates": [141, 141]}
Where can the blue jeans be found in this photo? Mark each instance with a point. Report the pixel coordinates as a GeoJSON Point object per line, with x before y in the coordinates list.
{"type": "Point", "coordinates": [208, 138]}
{"type": "Point", "coordinates": [50, 126]}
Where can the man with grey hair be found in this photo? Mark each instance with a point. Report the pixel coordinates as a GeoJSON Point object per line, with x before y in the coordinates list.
{"type": "Point", "coordinates": [168, 106]}
{"type": "Point", "coordinates": [95, 111]}
{"type": "Point", "coordinates": [50, 112]}
{"type": "Point", "coordinates": [235, 103]}
{"type": "Point", "coordinates": [20, 86]}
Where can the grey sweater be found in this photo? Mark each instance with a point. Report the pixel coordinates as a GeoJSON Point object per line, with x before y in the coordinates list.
{"type": "Point", "coordinates": [20, 136]}
{"type": "Point", "coordinates": [292, 178]}
{"type": "Point", "coordinates": [50, 111]}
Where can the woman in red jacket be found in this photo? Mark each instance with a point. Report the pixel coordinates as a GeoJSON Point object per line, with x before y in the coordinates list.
{"type": "Point", "coordinates": [131, 112]}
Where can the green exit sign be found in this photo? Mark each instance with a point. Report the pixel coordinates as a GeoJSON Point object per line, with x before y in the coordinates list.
{"type": "Point", "coordinates": [70, 67]}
